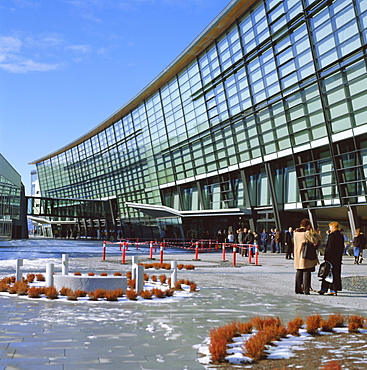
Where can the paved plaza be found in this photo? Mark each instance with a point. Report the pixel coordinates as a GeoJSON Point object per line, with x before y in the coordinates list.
{"type": "Point", "coordinates": [150, 334]}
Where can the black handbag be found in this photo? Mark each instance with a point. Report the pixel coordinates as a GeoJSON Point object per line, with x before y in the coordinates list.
{"type": "Point", "coordinates": [324, 270]}
{"type": "Point", "coordinates": [308, 251]}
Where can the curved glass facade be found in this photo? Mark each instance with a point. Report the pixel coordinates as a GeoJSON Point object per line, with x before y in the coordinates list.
{"type": "Point", "coordinates": [267, 122]}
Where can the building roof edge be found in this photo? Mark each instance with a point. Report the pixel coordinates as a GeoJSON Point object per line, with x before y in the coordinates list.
{"type": "Point", "coordinates": [225, 18]}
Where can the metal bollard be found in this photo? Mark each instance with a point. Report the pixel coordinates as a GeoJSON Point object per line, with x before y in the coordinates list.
{"type": "Point", "coordinates": [123, 257]}
{"type": "Point", "coordinates": [174, 273]}
{"type": "Point", "coordinates": [249, 253]}
{"type": "Point", "coordinates": [161, 254]}
{"type": "Point", "coordinates": [65, 264]}
{"type": "Point", "coordinates": [197, 251]}
{"type": "Point", "coordinates": [151, 250]}
{"type": "Point", "coordinates": [134, 265]}
{"type": "Point", "coordinates": [234, 256]}
{"type": "Point", "coordinates": [256, 255]}
{"type": "Point", "coordinates": [139, 276]}
{"type": "Point", "coordinates": [50, 274]}
{"type": "Point", "coordinates": [104, 251]}
{"type": "Point", "coordinates": [18, 271]}
{"type": "Point", "coordinates": [223, 252]}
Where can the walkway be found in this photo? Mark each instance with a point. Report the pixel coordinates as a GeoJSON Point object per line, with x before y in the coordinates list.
{"type": "Point", "coordinates": [154, 335]}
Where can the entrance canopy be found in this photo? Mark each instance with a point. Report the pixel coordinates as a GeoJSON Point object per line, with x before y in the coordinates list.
{"type": "Point", "coordinates": [158, 211]}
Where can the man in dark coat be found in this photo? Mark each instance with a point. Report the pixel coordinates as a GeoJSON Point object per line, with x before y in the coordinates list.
{"type": "Point", "coordinates": [288, 241]}
{"type": "Point", "coordinates": [334, 254]}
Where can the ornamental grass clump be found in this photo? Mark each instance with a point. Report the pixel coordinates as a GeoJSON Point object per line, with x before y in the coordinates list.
{"type": "Point", "coordinates": [117, 273]}
{"type": "Point", "coordinates": [131, 283]}
{"type": "Point", "coordinates": [326, 325]}
{"type": "Point", "coordinates": [254, 347]}
{"type": "Point", "coordinates": [146, 294]}
{"type": "Point", "coordinates": [189, 267]}
{"type": "Point", "coordinates": [193, 287]}
{"type": "Point", "coordinates": [219, 338]}
{"type": "Point", "coordinates": [294, 326]}
{"type": "Point", "coordinates": [178, 285]}
{"type": "Point", "coordinates": [158, 293]}
{"type": "Point", "coordinates": [154, 278]}
{"type": "Point", "coordinates": [146, 277]}
{"type": "Point", "coordinates": [7, 280]}
{"type": "Point", "coordinates": [244, 327]}
{"type": "Point", "coordinates": [21, 287]}
{"type": "Point", "coordinates": [64, 291]}
{"type": "Point", "coordinates": [162, 279]}
{"type": "Point", "coordinates": [72, 296]}
{"type": "Point", "coordinates": [131, 294]}
{"type": "Point", "coordinates": [40, 277]}
{"type": "Point", "coordinates": [34, 292]}
{"type": "Point", "coordinates": [77, 273]}
{"type": "Point", "coordinates": [51, 293]}
{"type": "Point", "coordinates": [313, 323]}
{"type": "Point", "coordinates": [111, 295]}
{"type": "Point", "coordinates": [80, 293]}
{"type": "Point", "coordinates": [336, 320]}
{"type": "Point", "coordinates": [3, 286]}
{"type": "Point", "coordinates": [103, 274]}
{"type": "Point", "coordinates": [260, 323]}
{"type": "Point", "coordinates": [332, 365]}
{"type": "Point", "coordinates": [129, 275]}
{"type": "Point", "coordinates": [119, 291]}
{"type": "Point", "coordinates": [90, 273]}
{"type": "Point", "coordinates": [169, 292]}
{"type": "Point", "coordinates": [180, 266]}
{"type": "Point", "coordinates": [30, 278]}
{"type": "Point", "coordinates": [355, 323]}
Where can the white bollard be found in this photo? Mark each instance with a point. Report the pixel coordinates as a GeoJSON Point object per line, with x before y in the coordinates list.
{"type": "Point", "coordinates": [174, 273]}
{"type": "Point", "coordinates": [139, 278]}
{"type": "Point", "coordinates": [50, 274]}
{"type": "Point", "coordinates": [134, 264]}
{"type": "Point", "coordinates": [65, 264]}
{"type": "Point", "coordinates": [18, 271]}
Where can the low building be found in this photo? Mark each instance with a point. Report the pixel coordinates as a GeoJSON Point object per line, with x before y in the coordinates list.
{"type": "Point", "coordinates": [13, 219]}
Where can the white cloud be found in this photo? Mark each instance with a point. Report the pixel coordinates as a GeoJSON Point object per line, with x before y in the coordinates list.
{"type": "Point", "coordinates": [9, 44]}
{"type": "Point", "coordinates": [14, 58]}
{"type": "Point", "coordinates": [27, 65]}
{"type": "Point", "coordinates": [83, 49]}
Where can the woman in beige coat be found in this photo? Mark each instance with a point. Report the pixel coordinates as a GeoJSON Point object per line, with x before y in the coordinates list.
{"type": "Point", "coordinates": [303, 266]}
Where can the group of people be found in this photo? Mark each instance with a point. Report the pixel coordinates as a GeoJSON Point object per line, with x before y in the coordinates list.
{"type": "Point", "coordinates": [333, 254]}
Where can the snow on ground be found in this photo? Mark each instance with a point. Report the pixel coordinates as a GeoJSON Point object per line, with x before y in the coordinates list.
{"type": "Point", "coordinates": [282, 349]}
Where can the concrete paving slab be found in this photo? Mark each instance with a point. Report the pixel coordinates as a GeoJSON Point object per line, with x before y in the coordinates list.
{"type": "Point", "coordinates": [159, 335]}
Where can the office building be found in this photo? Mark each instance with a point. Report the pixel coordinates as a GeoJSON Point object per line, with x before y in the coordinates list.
{"type": "Point", "coordinates": [259, 122]}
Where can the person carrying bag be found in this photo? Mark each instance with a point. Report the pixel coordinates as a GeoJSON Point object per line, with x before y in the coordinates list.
{"type": "Point", "coordinates": [304, 239]}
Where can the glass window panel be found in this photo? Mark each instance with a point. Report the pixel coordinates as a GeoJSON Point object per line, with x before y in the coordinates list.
{"type": "Point", "coordinates": [341, 124]}
{"type": "Point", "coordinates": [336, 96]}
{"type": "Point", "coordinates": [338, 110]}
{"type": "Point", "coordinates": [301, 137]}
{"type": "Point", "coordinates": [359, 102]}
{"type": "Point", "coordinates": [328, 58]}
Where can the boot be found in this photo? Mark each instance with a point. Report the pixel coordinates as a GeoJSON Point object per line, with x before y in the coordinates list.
{"type": "Point", "coordinates": [356, 261]}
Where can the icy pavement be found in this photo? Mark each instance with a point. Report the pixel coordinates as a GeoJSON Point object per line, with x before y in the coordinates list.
{"type": "Point", "coordinates": [165, 334]}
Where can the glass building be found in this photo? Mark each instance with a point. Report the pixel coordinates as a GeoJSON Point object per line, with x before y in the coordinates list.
{"type": "Point", "coordinates": [13, 222]}
{"type": "Point", "coordinates": [260, 122]}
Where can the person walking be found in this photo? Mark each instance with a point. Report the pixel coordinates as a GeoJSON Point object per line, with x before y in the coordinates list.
{"type": "Point", "coordinates": [264, 240]}
{"type": "Point", "coordinates": [249, 240]}
{"type": "Point", "coordinates": [303, 266]}
{"type": "Point", "coordinates": [272, 240]}
{"type": "Point", "coordinates": [288, 241]}
{"type": "Point", "coordinates": [277, 240]}
{"type": "Point", "coordinates": [333, 254]}
{"type": "Point", "coordinates": [359, 243]}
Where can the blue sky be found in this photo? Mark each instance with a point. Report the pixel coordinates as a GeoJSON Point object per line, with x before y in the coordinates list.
{"type": "Point", "coordinates": [66, 65]}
